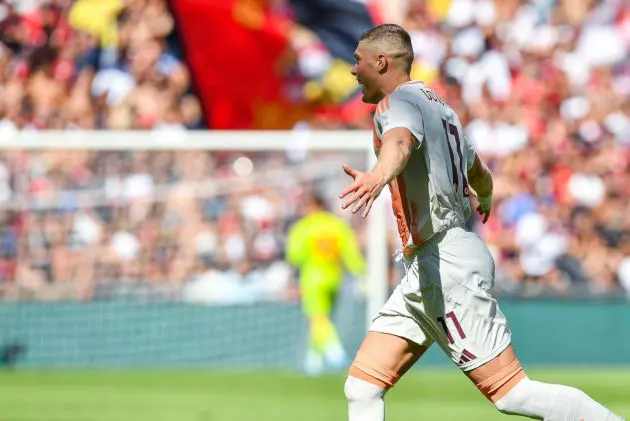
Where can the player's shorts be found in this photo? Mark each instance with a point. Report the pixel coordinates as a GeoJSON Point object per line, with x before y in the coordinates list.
{"type": "Point", "coordinates": [445, 298]}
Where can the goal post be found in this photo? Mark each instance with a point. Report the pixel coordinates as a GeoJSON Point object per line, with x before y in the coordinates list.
{"type": "Point", "coordinates": [303, 145]}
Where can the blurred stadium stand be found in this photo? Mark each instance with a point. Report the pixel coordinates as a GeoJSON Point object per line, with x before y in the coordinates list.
{"type": "Point", "coordinates": [542, 89]}
{"type": "Point", "coordinates": [84, 64]}
{"type": "Point", "coordinates": [106, 255]}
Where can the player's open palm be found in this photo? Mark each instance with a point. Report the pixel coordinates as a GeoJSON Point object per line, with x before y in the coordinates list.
{"type": "Point", "coordinates": [363, 191]}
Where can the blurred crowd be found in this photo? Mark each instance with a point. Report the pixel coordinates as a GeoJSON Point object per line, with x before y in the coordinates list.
{"type": "Point", "coordinates": [542, 88]}
{"type": "Point", "coordinates": [96, 225]}
{"type": "Point", "coordinates": [107, 64]}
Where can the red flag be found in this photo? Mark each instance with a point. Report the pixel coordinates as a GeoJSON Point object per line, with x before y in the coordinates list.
{"type": "Point", "coordinates": [237, 52]}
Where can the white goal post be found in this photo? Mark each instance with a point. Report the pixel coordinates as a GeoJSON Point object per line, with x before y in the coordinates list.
{"type": "Point", "coordinates": [260, 141]}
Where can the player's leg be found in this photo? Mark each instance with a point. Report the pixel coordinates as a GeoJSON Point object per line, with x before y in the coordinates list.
{"type": "Point", "coordinates": [503, 381]}
{"type": "Point", "coordinates": [393, 344]}
{"type": "Point", "coordinates": [475, 334]}
{"type": "Point", "coordinates": [311, 307]}
{"type": "Point", "coordinates": [327, 335]}
{"type": "Point", "coordinates": [324, 342]}
{"type": "Point", "coordinates": [380, 362]}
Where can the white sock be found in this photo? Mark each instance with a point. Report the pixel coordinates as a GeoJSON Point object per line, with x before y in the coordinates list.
{"type": "Point", "coordinates": [552, 402]}
{"type": "Point", "coordinates": [365, 400]}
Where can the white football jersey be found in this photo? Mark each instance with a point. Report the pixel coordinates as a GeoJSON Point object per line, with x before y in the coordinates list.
{"type": "Point", "coordinates": [431, 193]}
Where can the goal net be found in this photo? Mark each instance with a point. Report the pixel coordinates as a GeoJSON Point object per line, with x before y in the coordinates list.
{"type": "Point", "coordinates": [167, 249]}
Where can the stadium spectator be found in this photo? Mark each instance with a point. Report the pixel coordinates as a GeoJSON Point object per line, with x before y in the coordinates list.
{"type": "Point", "coordinates": [542, 88]}
{"type": "Point", "coordinates": [92, 65]}
{"type": "Point", "coordinates": [94, 225]}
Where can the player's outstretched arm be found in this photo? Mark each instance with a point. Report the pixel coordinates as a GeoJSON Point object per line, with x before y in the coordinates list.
{"type": "Point", "coordinates": [398, 143]}
{"type": "Point", "coordinates": [480, 179]}
{"type": "Point", "coordinates": [396, 148]}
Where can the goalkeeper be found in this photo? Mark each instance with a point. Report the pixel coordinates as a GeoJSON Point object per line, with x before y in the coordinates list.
{"type": "Point", "coordinates": [322, 246]}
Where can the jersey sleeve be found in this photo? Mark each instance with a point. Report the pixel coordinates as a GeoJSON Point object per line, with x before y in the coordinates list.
{"type": "Point", "coordinates": [469, 150]}
{"type": "Point", "coordinates": [394, 112]}
{"type": "Point", "coordinates": [296, 251]}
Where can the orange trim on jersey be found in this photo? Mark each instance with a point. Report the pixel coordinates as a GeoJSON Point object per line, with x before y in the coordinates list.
{"type": "Point", "coordinates": [415, 234]}
{"type": "Point", "coordinates": [382, 106]}
{"type": "Point", "coordinates": [399, 206]}
{"type": "Point", "coordinates": [376, 140]}
{"type": "Point", "coordinates": [407, 223]}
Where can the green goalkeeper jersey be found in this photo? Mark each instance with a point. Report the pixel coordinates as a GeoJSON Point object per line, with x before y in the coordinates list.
{"type": "Point", "coordinates": [322, 247]}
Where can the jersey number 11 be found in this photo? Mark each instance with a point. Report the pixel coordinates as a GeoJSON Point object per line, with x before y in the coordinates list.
{"type": "Point", "coordinates": [452, 129]}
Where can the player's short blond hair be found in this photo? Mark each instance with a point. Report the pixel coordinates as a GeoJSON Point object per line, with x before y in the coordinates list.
{"type": "Point", "coordinates": [394, 39]}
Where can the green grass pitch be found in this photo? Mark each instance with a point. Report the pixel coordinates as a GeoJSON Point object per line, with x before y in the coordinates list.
{"type": "Point", "coordinates": [221, 396]}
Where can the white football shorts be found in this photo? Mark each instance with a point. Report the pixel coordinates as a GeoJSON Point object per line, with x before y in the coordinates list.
{"type": "Point", "coordinates": [445, 297]}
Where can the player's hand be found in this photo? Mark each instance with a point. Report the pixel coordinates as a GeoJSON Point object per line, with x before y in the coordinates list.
{"type": "Point", "coordinates": [485, 207]}
{"type": "Point", "coordinates": [366, 188]}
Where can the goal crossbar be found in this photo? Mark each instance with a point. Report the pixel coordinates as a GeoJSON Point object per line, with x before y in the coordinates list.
{"type": "Point", "coordinates": [259, 141]}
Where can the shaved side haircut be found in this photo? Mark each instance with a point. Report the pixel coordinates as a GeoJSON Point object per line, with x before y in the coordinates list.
{"type": "Point", "coordinates": [393, 40]}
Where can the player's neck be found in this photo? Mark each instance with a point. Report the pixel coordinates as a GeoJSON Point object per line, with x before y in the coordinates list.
{"type": "Point", "coordinates": [392, 84]}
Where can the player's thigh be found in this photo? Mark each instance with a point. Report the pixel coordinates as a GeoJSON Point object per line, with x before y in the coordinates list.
{"type": "Point", "coordinates": [383, 358]}
{"type": "Point", "coordinates": [395, 341]}
{"type": "Point", "coordinates": [498, 376]}
{"type": "Point", "coordinates": [456, 306]}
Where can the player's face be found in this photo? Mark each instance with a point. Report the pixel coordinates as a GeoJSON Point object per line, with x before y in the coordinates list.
{"type": "Point", "coordinates": [365, 69]}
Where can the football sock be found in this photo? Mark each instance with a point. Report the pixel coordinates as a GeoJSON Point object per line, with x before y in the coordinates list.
{"type": "Point", "coordinates": [552, 402]}
{"type": "Point", "coordinates": [365, 400]}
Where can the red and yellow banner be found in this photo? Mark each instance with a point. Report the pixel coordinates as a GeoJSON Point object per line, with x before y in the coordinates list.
{"type": "Point", "coordinates": [237, 52]}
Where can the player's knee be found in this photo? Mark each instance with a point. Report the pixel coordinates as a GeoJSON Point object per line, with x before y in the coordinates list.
{"type": "Point", "coordinates": [358, 390]}
{"type": "Point", "coordinates": [496, 382]}
{"type": "Point", "coordinates": [507, 406]}
{"type": "Point", "coordinates": [516, 399]}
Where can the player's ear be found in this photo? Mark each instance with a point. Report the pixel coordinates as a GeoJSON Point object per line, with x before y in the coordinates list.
{"type": "Point", "coordinates": [381, 63]}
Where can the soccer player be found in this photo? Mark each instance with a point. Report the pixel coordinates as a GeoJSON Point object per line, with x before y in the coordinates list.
{"type": "Point", "coordinates": [322, 247]}
{"type": "Point", "coordinates": [445, 296]}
